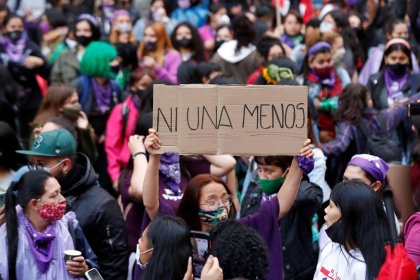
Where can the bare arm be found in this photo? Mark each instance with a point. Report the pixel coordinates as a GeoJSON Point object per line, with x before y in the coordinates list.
{"type": "Point", "coordinates": [221, 165]}
{"type": "Point", "coordinates": [136, 146]}
{"type": "Point", "coordinates": [151, 179]}
{"type": "Point", "coordinates": [288, 192]}
{"type": "Point", "coordinates": [232, 183]}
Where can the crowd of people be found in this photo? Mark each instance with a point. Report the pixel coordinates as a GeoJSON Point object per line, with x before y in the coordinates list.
{"type": "Point", "coordinates": [80, 166]}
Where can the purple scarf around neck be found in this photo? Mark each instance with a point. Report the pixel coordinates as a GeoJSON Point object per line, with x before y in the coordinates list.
{"type": "Point", "coordinates": [330, 82]}
{"type": "Point", "coordinates": [40, 243]}
{"type": "Point", "coordinates": [14, 50]}
{"type": "Point", "coordinates": [170, 171]}
{"type": "Point", "coordinates": [102, 94]}
{"type": "Point", "coordinates": [391, 78]}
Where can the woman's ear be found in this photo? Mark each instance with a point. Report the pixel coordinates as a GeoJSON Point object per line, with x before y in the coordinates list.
{"type": "Point", "coordinates": [37, 131]}
{"type": "Point", "coordinates": [369, 103]}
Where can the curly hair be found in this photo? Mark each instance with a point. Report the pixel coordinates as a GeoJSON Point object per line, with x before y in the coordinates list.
{"type": "Point", "coordinates": [240, 250]}
{"type": "Point", "coordinates": [352, 102]}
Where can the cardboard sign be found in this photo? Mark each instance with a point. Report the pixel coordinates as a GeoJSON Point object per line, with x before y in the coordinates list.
{"type": "Point", "coordinates": [237, 120]}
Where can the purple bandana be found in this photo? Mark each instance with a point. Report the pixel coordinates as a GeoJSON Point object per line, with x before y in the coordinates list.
{"type": "Point", "coordinates": [89, 18]}
{"type": "Point", "coordinates": [390, 79]}
{"type": "Point", "coordinates": [14, 50]}
{"type": "Point", "coordinates": [170, 172]}
{"type": "Point", "coordinates": [118, 13]}
{"type": "Point", "coordinates": [41, 243]}
{"type": "Point", "coordinates": [306, 164]}
{"type": "Point", "coordinates": [103, 95]}
{"type": "Point", "coordinates": [373, 165]}
{"type": "Point", "coordinates": [316, 47]}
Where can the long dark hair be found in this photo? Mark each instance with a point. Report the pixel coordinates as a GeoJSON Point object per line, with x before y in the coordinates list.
{"type": "Point", "coordinates": [353, 101]}
{"type": "Point", "coordinates": [197, 44]}
{"type": "Point", "coordinates": [397, 47]}
{"type": "Point", "coordinates": [243, 31]}
{"type": "Point", "coordinates": [363, 221]}
{"type": "Point", "coordinates": [9, 143]}
{"type": "Point", "coordinates": [189, 206]}
{"type": "Point", "coordinates": [169, 238]}
{"type": "Point", "coordinates": [350, 39]}
{"type": "Point", "coordinates": [30, 186]}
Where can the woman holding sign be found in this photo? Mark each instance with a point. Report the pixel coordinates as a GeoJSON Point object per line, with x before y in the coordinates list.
{"type": "Point", "coordinates": [207, 200]}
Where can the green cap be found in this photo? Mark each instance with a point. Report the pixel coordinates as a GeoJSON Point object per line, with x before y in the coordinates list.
{"type": "Point", "coordinates": [54, 143]}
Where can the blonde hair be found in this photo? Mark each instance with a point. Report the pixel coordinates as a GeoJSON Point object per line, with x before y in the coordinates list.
{"type": "Point", "coordinates": [114, 33]}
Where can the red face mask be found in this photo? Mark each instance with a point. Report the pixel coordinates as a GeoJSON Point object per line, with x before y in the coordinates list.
{"type": "Point", "coordinates": [323, 73]}
{"type": "Point", "coordinates": [51, 212]}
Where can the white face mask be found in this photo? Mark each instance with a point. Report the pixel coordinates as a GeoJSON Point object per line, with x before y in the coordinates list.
{"type": "Point", "coordinates": [48, 169]}
{"type": "Point", "coordinates": [223, 20]}
{"type": "Point", "coordinates": [124, 27]}
{"type": "Point", "coordinates": [326, 27]}
{"type": "Point", "coordinates": [138, 255]}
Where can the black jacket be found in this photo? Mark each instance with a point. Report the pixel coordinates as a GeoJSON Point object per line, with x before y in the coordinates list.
{"type": "Point", "coordinates": [99, 216]}
{"type": "Point", "coordinates": [30, 95]}
{"type": "Point", "coordinates": [300, 254]}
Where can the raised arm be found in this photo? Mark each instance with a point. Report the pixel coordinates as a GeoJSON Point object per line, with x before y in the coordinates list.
{"type": "Point", "coordinates": [151, 179]}
{"type": "Point", "coordinates": [221, 165]}
{"type": "Point", "coordinates": [138, 152]}
{"type": "Point", "coordinates": [288, 192]}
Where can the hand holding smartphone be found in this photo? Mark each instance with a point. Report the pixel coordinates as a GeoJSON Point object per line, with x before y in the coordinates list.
{"type": "Point", "coordinates": [200, 242]}
{"type": "Point", "coordinates": [93, 274]}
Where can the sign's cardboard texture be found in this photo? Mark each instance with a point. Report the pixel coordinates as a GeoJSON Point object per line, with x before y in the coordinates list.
{"type": "Point", "coordinates": [237, 120]}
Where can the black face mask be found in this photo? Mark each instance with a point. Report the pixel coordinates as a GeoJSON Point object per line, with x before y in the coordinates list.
{"type": "Point", "coordinates": [336, 233]}
{"type": "Point", "coordinates": [15, 36]}
{"type": "Point", "coordinates": [184, 43]}
{"type": "Point", "coordinates": [139, 93]}
{"type": "Point", "coordinates": [115, 69]}
{"type": "Point", "coordinates": [398, 69]}
{"type": "Point", "coordinates": [83, 40]}
{"type": "Point", "coordinates": [150, 46]}
{"type": "Point", "coordinates": [218, 44]}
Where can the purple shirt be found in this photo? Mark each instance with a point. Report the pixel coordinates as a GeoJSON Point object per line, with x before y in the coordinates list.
{"type": "Point", "coordinates": [265, 222]}
{"type": "Point", "coordinates": [170, 66]}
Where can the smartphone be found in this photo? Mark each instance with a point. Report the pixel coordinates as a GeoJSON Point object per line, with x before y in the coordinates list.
{"type": "Point", "coordinates": [200, 242]}
{"type": "Point", "coordinates": [93, 274]}
{"type": "Point", "coordinates": [414, 109]}
{"type": "Point", "coordinates": [2, 198]}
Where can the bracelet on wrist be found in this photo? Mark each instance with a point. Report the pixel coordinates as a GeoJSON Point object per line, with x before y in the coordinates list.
{"type": "Point", "coordinates": [139, 153]}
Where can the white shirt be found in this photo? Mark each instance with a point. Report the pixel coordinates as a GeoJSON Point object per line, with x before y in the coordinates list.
{"type": "Point", "coordinates": [335, 263]}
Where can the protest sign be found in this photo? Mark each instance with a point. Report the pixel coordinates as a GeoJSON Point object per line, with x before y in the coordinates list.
{"type": "Point", "coordinates": [237, 120]}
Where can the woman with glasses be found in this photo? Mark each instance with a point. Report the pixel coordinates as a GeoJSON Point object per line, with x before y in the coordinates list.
{"type": "Point", "coordinates": [207, 201]}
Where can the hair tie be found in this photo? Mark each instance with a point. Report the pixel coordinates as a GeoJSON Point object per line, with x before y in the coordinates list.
{"type": "Point", "coordinates": [274, 74]}
{"type": "Point", "coordinates": [397, 41]}
{"type": "Point", "coordinates": [316, 47]}
{"type": "Point", "coordinates": [89, 18]}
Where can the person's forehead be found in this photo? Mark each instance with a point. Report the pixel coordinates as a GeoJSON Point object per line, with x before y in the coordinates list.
{"type": "Point", "coordinates": [213, 188]}
{"type": "Point", "coordinates": [355, 172]}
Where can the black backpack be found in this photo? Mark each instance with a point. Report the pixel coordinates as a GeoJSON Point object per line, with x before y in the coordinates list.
{"type": "Point", "coordinates": [380, 144]}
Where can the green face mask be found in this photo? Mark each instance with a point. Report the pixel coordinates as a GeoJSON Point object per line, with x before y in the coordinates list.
{"type": "Point", "coordinates": [270, 186]}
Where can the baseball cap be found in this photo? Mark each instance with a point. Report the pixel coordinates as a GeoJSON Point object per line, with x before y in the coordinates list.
{"type": "Point", "coordinates": [54, 143]}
